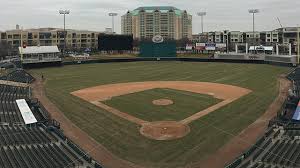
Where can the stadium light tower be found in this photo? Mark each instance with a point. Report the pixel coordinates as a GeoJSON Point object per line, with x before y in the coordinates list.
{"type": "Point", "coordinates": [253, 12]}
{"type": "Point", "coordinates": [298, 43]}
{"type": "Point", "coordinates": [202, 14]}
{"type": "Point", "coordinates": [112, 20]}
{"type": "Point", "coordinates": [64, 12]}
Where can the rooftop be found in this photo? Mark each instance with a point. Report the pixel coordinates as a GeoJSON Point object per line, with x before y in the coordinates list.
{"type": "Point", "coordinates": [156, 8]}
{"type": "Point", "coordinates": [38, 49]}
{"type": "Point", "coordinates": [150, 9]}
{"type": "Point", "coordinates": [48, 29]}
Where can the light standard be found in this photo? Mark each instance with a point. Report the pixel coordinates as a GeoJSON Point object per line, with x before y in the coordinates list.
{"type": "Point", "coordinates": [202, 14]}
{"type": "Point", "coordinates": [298, 43]}
{"type": "Point", "coordinates": [64, 12]}
{"type": "Point", "coordinates": [253, 12]}
{"type": "Point", "coordinates": [112, 21]}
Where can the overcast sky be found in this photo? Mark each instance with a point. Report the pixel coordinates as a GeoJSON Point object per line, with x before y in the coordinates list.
{"type": "Point", "coordinates": [93, 14]}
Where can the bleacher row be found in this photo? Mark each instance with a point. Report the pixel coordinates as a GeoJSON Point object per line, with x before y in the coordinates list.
{"type": "Point", "coordinates": [19, 135]}
{"type": "Point", "coordinates": [39, 156]}
{"type": "Point", "coordinates": [38, 145]}
{"type": "Point", "coordinates": [9, 111]}
{"type": "Point", "coordinates": [20, 75]}
{"type": "Point", "coordinates": [279, 147]}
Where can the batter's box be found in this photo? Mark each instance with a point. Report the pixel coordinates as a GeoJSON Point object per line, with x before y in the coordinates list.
{"type": "Point", "coordinates": [161, 130]}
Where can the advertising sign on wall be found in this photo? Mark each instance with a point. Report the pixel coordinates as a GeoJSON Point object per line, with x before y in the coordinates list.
{"type": "Point", "coordinates": [210, 46]}
{"type": "Point", "coordinates": [189, 47]}
{"type": "Point", "coordinates": [200, 46]}
{"type": "Point", "coordinates": [220, 45]}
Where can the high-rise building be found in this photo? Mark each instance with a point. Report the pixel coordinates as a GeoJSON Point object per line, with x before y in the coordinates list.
{"type": "Point", "coordinates": [167, 21]}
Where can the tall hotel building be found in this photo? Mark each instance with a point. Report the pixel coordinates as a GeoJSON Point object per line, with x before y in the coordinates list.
{"type": "Point", "coordinates": [167, 21]}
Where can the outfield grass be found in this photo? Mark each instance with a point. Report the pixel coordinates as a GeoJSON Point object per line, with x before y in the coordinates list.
{"type": "Point", "coordinates": [122, 137]}
{"type": "Point", "coordinates": [140, 104]}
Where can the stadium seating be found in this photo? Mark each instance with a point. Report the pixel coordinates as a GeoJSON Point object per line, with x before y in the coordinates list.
{"type": "Point", "coordinates": [283, 151]}
{"type": "Point", "coordinates": [20, 75]}
{"type": "Point", "coordinates": [38, 145]}
{"type": "Point", "coordinates": [280, 146]}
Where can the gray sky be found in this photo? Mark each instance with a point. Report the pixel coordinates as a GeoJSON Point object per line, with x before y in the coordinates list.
{"type": "Point", "coordinates": [92, 14]}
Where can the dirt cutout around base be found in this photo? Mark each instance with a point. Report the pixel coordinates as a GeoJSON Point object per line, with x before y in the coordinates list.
{"type": "Point", "coordinates": [164, 130]}
{"type": "Point", "coordinates": [161, 130]}
{"type": "Point", "coordinates": [162, 102]}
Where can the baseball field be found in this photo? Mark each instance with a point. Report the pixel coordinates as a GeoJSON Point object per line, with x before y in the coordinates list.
{"type": "Point", "coordinates": [162, 114]}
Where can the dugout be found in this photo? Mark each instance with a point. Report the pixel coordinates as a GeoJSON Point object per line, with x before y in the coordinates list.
{"type": "Point", "coordinates": [164, 49]}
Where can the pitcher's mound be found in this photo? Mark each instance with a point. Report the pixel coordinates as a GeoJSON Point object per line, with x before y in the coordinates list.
{"type": "Point", "coordinates": [162, 102]}
{"type": "Point", "coordinates": [164, 130]}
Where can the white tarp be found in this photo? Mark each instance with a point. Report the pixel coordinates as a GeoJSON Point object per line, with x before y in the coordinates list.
{"type": "Point", "coordinates": [26, 112]}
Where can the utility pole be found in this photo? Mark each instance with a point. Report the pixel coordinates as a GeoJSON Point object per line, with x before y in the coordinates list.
{"type": "Point", "coordinates": [64, 12]}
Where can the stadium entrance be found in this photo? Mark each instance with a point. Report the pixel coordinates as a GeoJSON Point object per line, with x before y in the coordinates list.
{"type": "Point", "coordinates": [158, 48]}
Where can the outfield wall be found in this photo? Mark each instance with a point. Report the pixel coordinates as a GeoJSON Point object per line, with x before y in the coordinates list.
{"type": "Point", "coordinates": [177, 59]}
{"type": "Point", "coordinates": [186, 59]}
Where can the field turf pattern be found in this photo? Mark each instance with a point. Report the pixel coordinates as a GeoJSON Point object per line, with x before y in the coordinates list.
{"type": "Point", "coordinates": [140, 104]}
{"type": "Point", "coordinates": [123, 138]}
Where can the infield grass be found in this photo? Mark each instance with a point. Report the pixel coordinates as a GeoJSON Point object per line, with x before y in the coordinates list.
{"type": "Point", "coordinates": [140, 104]}
{"type": "Point", "coordinates": [123, 139]}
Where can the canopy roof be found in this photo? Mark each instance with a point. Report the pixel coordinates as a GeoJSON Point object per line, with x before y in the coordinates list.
{"type": "Point", "coordinates": [38, 49]}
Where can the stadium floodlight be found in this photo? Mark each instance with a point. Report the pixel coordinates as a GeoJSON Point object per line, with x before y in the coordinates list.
{"type": "Point", "coordinates": [112, 21]}
{"type": "Point", "coordinates": [298, 44]}
{"type": "Point", "coordinates": [64, 12]}
{"type": "Point", "coordinates": [253, 12]}
{"type": "Point", "coordinates": [202, 14]}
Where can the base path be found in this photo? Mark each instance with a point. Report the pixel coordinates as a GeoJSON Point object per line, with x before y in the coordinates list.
{"type": "Point", "coordinates": [249, 136]}
{"type": "Point", "coordinates": [88, 144]}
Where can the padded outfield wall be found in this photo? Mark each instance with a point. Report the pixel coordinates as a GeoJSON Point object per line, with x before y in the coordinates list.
{"type": "Point", "coordinates": [157, 50]}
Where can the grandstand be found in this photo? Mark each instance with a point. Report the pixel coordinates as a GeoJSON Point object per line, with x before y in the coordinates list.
{"type": "Point", "coordinates": [38, 145]}
{"type": "Point", "coordinates": [280, 145]}
{"type": "Point", "coordinates": [278, 148]}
